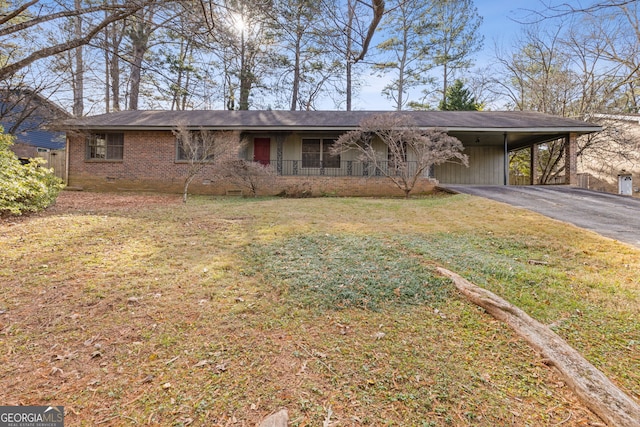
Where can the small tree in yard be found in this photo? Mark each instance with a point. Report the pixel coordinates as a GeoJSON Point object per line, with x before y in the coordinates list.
{"type": "Point", "coordinates": [410, 152]}
{"type": "Point", "coordinates": [202, 149]}
{"type": "Point", "coordinates": [24, 187]}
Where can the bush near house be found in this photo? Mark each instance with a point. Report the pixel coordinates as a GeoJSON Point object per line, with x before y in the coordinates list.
{"type": "Point", "coordinates": [24, 187]}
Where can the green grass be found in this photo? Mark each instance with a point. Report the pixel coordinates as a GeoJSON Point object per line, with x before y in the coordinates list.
{"type": "Point", "coordinates": [229, 309]}
{"type": "Point", "coordinates": [334, 272]}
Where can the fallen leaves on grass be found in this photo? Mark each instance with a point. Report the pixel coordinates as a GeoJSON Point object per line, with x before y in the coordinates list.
{"type": "Point", "coordinates": [159, 282]}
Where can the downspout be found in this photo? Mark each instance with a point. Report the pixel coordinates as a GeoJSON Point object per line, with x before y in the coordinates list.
{"type": "Point", "coordinates": [506, 160]}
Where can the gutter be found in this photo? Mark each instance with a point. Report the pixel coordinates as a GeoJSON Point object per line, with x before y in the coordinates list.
{"type": "Point", "coordinates": [541, 130]}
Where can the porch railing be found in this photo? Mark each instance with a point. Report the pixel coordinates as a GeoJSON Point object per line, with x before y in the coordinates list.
{"type": "Point", "coordinates": [346, 168]}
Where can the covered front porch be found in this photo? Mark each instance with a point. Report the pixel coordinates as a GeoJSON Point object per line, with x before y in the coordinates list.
{"type": "Point", "coordinates": [294, 154]}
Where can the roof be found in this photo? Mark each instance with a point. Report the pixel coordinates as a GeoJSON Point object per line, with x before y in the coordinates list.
{"type": "Point", "coordinates": [468, 121]}
{"type": "Point", "coordinates": [519, 128]}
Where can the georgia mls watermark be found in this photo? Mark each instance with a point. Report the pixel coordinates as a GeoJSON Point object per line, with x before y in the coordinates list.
{"type": "Point", "coordinates": [31, 416]}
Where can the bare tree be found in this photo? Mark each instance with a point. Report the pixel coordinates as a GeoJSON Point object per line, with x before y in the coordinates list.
{"type": "Point", "coordinates": [567, 8]}
{"type": "Point", "coordinates": [353, 31]}
{"type": "Point", "coordinates": [113, 36]}
{"type": "Point", "coordinates": [204, 149]}
{"type": "Point", "coordinates": [139, 31]}
{"type": "Point", "coordinates": [246, 174]}
{"type": "Point", "coordinates": [455, 37]}
{"type": "Point", "coordinates": [307, 63]}
{"type": "Point", "coordinates": [408, 49]}
{"type": "Point", "coordinates": [408, 151]}
{"type": "Point", "coordinates": [577, 71]}
{"type": "Point", "coordinates": [245, 37]}
{"type": "Point", "coordinates": [17, 21]}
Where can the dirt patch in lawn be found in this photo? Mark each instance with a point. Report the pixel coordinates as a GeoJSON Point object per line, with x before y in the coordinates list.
{"type": "Point", "coordinates": [85, 201]}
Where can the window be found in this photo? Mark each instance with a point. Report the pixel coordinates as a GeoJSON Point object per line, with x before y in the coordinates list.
{"type": "Point", "coordinates": [105, 146]}
{"type": "Point", "coordinates": [316, 153]}
{"type": "Point", "coordinates": [195, 147]}
{"type": "Point", "coordinates": [311, 153]}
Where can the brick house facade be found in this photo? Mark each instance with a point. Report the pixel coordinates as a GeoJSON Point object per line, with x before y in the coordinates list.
{"type": "Point", "coordinates": [149, 164]}
{"type": "Point", "coordinates": [144, 150]}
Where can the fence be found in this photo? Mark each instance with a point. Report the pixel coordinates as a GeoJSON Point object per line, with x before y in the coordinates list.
{"type": "Point", "coordinates": [57, 160]}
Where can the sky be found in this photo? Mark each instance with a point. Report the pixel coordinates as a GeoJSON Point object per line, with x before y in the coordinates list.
{"type": "Point", "coordinates": [498, 28]}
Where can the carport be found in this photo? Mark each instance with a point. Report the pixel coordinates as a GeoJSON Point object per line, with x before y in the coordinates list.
{"type": "Point", "coordinates": [488, 139]}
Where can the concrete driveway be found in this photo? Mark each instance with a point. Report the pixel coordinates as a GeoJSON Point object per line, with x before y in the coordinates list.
{"type": "Point", "coordinates": [611, 215]}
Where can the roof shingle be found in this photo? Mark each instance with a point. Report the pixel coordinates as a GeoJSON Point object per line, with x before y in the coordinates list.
{"type": "Point", "coordinates": [339, 120]}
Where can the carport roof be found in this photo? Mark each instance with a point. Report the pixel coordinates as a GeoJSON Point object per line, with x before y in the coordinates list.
{"type": "Point", "coordinates": [451, 121]}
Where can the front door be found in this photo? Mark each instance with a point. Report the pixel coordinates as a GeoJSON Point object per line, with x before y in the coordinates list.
{"type": "Point", "coordinates": [262, 150]}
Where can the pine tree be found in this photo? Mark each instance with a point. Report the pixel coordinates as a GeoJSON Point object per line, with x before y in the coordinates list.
{"type": "Point", "coordinates": [458, 98]}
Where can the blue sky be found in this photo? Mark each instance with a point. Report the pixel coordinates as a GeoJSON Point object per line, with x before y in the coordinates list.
{"type": "Point", "coordinates": [498, 25]}
{"type": "Point", "coordinates": [498, 28]}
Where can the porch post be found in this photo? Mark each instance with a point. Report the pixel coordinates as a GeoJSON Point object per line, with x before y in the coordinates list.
{"type": "Point", "coordinates": [571, 159]}
{"type": "Point", "coordinates": [279, 153]}
{"type": "Point", "coordinates": [534, 164]}
{"type": "Point", "coordinates": [506, 160]}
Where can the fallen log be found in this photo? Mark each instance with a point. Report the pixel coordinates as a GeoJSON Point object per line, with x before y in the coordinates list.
{"type": "Point", "coordinates": [591, 386]}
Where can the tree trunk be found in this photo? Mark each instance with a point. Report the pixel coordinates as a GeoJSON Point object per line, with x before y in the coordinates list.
{"type": "Point", "coordinates": [591, 386]}
{"type": "Point", "coordinates": [349, 54]}
{"type": "Point", "coordinates": [139, 35]}
{"type": "Point", "coordinates": [176, 101]}
{"type": "Point", "coordinates": [78, 78]}
{"type": "Point", "coordinates": [107, 73]}
{"type": "Point", "coordinates": [114, 68]}
{"type": "Point", "coordinates": [296, 76]}
{"type": "Point", "coordinates": [246, 76]}
{"type": "Point", "coordinates": [445, 83]}
{"type": "Point", "coordinates": [136, 73]}
{"type": "Point", "coordinates": [185, 190]}
{"type": "Point", "coordinates": [187, 78]}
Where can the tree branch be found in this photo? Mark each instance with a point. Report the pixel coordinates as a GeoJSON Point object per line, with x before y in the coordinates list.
{"type": "Point", "coordinates": [47, 18]}
{"type": "Point", "coordinates": [11, 69]}
{"type": "Point", "coordinates": [378, 12]}
{"type": "Point", "coordinates": [8, 17]}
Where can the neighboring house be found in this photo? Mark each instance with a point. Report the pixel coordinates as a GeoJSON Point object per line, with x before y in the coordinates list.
{"type": "Point", "coordinates": [615, 155]}
{"type": "Point", "coordinates": [138, 149]}
{"type": "Point", "coordinates": [27, 115]}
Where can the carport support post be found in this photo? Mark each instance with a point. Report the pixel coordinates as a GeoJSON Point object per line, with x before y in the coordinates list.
{"type": "Point", "coordinates": [534, 164]}
{"type": "Point", "coordinates": [506, 160]}
{"type": "Point", "coordinates": [571, 159]}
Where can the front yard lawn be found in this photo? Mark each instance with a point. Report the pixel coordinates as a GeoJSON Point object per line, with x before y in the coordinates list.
{"type": "Point", "coordinates": [133, 309]}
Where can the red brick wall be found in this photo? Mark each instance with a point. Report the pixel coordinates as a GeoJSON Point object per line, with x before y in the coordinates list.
{"type": "Point", "coordinates": [343, 186]}
{"type": "Point", "coordinates": [149, 164]}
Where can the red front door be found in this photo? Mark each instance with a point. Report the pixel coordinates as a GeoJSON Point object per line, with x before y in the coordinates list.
{"type": "Point", "coordinates": [262, 150]}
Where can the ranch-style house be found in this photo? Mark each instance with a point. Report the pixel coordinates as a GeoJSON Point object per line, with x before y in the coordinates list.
{"type": "Point", "coordinates": [139, 150]}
